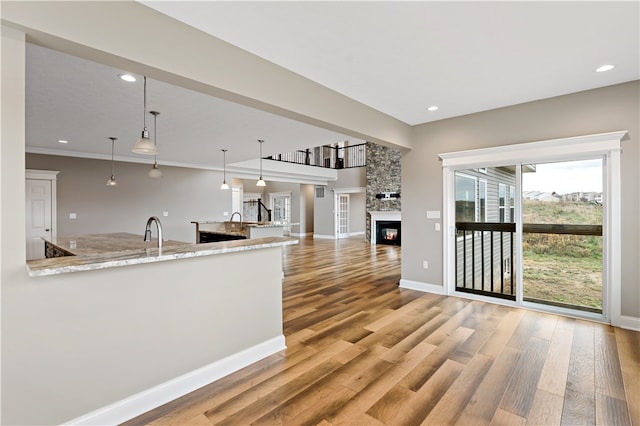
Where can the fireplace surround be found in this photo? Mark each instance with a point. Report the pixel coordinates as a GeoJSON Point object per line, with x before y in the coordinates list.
{"type": "Point", "coordinates": [385, 227]}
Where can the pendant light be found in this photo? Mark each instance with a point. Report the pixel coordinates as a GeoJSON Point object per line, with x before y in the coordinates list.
{"type": "Point", "coordinates": [224, 179]}
{"type": "Point", "coordinates": [144, 144]}
{"type": "Point", "coordinates": [155, 171]}
{"type": "Point", "coordinates": [112, 180]}
{"type": "Point", "coordinates": [261, 182]}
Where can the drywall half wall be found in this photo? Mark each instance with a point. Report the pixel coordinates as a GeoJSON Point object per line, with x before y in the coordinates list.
{"type": "Point", "coordinates": [184, 194]}
{"type": "Point", "coordinates": [595, 111]}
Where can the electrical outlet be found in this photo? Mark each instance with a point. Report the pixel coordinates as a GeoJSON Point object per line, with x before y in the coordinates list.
{"type": "Point", "coordinates": [165, 214]}
{"type": "Point", "coordinates": [425, 264]}
{"type": "Point", "coordinates": [72, 215]}
{"type": "Point", "coordinates": [225, 214]}
{"type": "Point", "coordinates": [437, 226]}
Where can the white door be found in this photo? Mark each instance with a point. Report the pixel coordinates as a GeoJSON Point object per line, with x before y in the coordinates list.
{"type": "Point", "coordinates": [38, 216]}
{"type": "Point", "coordinates": [281, 207]}
{"type": "Point", "coordinates": [342, 219]}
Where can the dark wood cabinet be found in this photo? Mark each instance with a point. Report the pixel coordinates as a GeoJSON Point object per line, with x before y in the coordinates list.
{"type": "Point", "coordinates": [51, 250]}
{"type": "Point", "coordinates": [214, 237]}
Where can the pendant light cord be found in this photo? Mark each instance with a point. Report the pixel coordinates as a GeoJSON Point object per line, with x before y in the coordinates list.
{"type": "Point", "coordinates": [144, 113]}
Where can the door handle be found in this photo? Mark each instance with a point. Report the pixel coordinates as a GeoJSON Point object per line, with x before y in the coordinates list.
{"type": "Point", "coordinates": [47, 229]}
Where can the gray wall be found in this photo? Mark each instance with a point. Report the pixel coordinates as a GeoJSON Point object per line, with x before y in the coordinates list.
{"type": "Point", "coordinates": [323, 218]}
{"type": "Point", "coordinates": [186, 194]}
{"type": "Point", "coordinates": [357, 213]}
{"type": "Point", "coordinates": [595, 111]}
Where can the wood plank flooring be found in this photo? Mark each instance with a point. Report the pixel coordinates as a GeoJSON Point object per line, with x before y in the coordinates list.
{"type": "Point", "coordinates": [361, 351]}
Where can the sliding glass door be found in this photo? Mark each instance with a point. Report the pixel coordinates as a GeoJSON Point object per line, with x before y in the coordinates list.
{"type": "Point", "coordinates": [562, 242]}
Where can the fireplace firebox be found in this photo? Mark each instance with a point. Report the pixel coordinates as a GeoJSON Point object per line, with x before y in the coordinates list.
{"type": "Point", "coordinates": [388, 232]}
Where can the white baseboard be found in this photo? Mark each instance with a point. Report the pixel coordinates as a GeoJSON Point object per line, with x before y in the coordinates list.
{"type": "Point", "coordinates": [353, 234]}
{"type": "Point", "coordinates": [425, 287]}
{"type": "Point", "coordinates": [323, 237]}
{"type": "Point", "coordinates": [156, 396]}
{"type": "Point", "coordinates": [630, 323]}
{"type": "Point", "coordinates": [300, 234]}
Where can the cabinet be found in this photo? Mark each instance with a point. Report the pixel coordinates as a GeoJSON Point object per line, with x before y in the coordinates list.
{"type": "Point", "coordinates": [213, 237]}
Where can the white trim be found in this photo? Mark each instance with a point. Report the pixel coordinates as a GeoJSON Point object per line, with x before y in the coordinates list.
{"type": "Point", "coordinates": [353, 190]}
{"type": "Point", "coordinates": [630, 323]}
{"type": "Point", "coordinates": [41, 174]}
{"type": "Point", "coordinates": [355, 234]}
{"type": "Point", "coordinates": [300, 234]}
{"type": "Point", "coordinates": [607, 145]}
{"type": "Point", "coordinates": [323, 237]}
{"type": "Point", "coordinates": [424, 287]}
{"type": "Point", "coordinates": [156, 396]}
{"type": "Point", "coordinates": [549, 150]}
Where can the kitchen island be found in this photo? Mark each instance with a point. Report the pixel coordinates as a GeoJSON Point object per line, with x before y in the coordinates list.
{"type": "Point", "coordinates": [98, 251]}
{"type": "Point", "coordinates": [212, 231]}
{"type": "Point", "coordinates": [180, 318]}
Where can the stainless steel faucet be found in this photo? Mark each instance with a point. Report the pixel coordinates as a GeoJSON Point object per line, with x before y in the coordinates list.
{"type": "Point", "coordinates": [233, 214]}
{"type": "Point", "coordinates": [147, 231]}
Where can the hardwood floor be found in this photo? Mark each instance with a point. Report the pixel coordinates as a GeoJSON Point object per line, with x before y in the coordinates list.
{"type": "Point", "coordinates": [361, 351]}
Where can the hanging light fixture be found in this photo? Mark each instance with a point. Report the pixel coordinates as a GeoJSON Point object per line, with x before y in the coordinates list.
{"type": "Point", "coordinates": [144, 144]}
{"type": "Point", "coordinates": [155, 171]}
{"type": "Point", "coordinates": [112, 180]}
{"type": "Point", "coordinates": [261, 182]}
{"type": "Point", "coordinates": [224, 178]}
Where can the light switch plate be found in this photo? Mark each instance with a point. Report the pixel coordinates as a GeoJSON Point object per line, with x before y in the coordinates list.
{"type": "Point", "coordinates": [433, 214]}
{"type": "Point", "coordinates": [72, 215]}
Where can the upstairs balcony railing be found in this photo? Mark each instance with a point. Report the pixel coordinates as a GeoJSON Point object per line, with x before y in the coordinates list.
{"type": "Point", "coordinates": [331, 157]}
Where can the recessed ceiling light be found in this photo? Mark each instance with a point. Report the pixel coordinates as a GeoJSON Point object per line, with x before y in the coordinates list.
{"type": "Point", "coordinates": [604, 68]}
{"type": "Point", "coordinates": [127, 77]}
{"type": "Point", "coordinates": [433, 108]}
{"type": "Point", "coordinates": [62, 141]}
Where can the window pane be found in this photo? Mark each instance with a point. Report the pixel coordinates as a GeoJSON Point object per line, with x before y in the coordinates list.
{"type": "Point", "coordinates": [465, 199]}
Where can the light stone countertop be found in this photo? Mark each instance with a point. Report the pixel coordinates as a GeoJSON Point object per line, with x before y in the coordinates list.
{"type": "Point", "coordinates": [90, 256]}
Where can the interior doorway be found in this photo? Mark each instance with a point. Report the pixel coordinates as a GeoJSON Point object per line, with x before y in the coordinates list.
{"type": "Point", "coordinates": [342, 216]}
{"type": "Point", "coordinates": [40, 217]}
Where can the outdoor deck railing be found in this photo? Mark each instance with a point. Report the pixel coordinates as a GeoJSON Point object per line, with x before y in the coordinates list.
{"type": "Point", "coordinates": [485, 252]}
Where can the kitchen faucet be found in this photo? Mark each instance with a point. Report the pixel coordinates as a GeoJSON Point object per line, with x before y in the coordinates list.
{"type": "Point", "coordinates": [147, 232]}
{"type": "Point", "coordinates": [233, 214]}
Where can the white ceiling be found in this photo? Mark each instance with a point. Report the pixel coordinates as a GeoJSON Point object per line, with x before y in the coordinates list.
{"type": "Point", "coordinates": [397, 57]}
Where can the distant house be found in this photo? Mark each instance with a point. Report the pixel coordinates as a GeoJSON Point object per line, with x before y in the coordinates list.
{"type": "Point", "coordinates": [544, 197]}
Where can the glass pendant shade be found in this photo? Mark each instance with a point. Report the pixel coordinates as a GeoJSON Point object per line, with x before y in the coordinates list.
{"type": "Point", "coordinates": [144, 145]}
{"type": "Point", "coordinates": [112, 180]}
{"type": "Point", "coordinates": [224, 185]}
{"type": "Point", "coordinates": [155, 171]}
{"type": "Point", "coordinates": [261, 182]}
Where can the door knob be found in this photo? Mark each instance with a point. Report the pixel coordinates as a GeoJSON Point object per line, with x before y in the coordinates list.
{"type": "Point", "coordinates": [47, 230]}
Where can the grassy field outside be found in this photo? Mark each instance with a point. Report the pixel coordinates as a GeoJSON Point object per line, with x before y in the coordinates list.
{"type": "Point", "coordinates": [564, 269]}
